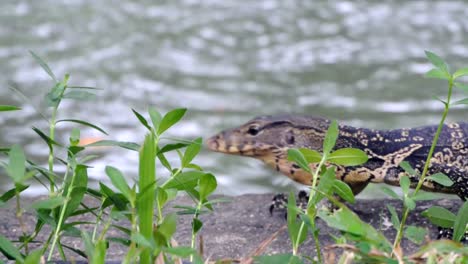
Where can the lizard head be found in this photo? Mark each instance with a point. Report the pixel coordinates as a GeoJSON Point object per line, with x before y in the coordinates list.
{"type": "Point", "coordinates": [268, 138]}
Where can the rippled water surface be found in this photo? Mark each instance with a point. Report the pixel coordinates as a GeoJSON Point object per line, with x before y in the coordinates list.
{"type": "Point", "coordinates": [227, 61]}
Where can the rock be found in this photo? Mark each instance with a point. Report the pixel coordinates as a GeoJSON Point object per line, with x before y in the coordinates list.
{"type": "Point", "coordinates": [236, 229]}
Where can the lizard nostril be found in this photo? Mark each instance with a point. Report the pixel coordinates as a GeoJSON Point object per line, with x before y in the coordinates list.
{"type": "Point", "coordinates": [213, 143]}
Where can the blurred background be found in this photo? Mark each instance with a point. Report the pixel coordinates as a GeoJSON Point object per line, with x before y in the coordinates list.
{"type": "Point", "coordinates": [227, 61]}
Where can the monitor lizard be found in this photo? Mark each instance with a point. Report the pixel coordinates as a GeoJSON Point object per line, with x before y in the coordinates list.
{"type": "Point", "coordinates": [269, 137]}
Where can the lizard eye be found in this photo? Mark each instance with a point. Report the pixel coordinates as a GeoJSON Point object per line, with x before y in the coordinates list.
{"type": "Point", "coordinates": [253, 130]}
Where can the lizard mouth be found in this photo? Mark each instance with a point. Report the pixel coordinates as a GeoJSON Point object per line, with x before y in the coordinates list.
{"type": "Point", "coordinates": [220, 144]}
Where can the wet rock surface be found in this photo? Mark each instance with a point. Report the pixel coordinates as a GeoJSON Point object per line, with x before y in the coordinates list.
{"type": "Point", "coordinates": [236, 228]}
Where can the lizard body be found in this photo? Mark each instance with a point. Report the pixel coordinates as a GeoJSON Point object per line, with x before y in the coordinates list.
{"type": "Point", "coordinates": [269, 137]}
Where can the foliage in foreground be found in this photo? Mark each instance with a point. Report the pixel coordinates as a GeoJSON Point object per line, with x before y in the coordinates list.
{"type": "Point", "coordinates": [360, 240]}
{"type": "Point", "coordinates": [150, 235]}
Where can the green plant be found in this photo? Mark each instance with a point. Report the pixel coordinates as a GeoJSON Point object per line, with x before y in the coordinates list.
{"type": "Point", "coordinates": [441, 71]}
{"type": "Point", "coordinates": [327, 186]}
{"type": "Point", "coordinates": [369, 245]}
{"type": "Point", "coordinates": [149, 235]}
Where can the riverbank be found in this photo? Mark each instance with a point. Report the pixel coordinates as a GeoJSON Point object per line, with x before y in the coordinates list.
{"type": "Point", "coordinates": [236, 229]}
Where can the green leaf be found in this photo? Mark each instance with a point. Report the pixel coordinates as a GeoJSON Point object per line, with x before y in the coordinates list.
{"type": "Point", "coordinates": [424, 196]}
{"type": "Point", "coordinates": [54, 97]}
{"type": "Point", "coordinates": [99, 254]}
{"type": "Point", "coordinates": [142, 241]}
{"type": "Point", "coordinates": [294, 224]}
{"type": "Point", "coordinates": [184, 180]}
{"type": "Point", "coordinates": [79, 95]}
{"type": "Point", "coordinates": [461, 222]}
{"type": "Point", "coordinates": [343, 190]}
{"type": "Point", "coordinates": [9, 108]}
{"type": "Point", "coordinates": [364, 247]}
{"type": "Point", "coordinates": [207, 185]}
{"type": "Point", "coordinates": [330, 138]}
{"type": "Point", "coordinates": [81, 122]}
{"type": "Point", "coordinates": [409, 203]}
{"type": "Point", "coordinates": [161, 196]}
{"type": "Point", "coordinates": [348, 157]}
{"type": "Point", "coordinates": [141, 119]}
{"type": "Point", "coordinates": [49, 203]}
{"type": "Point", "coordinates": [164, 161]}
{"type": "Point", "coordinates": [46, 138]}
{"type": "Point", "coordinates": [9, 249]}
{"type": "Point", "coordinates": [44, 66]}
{"type": "Point", "coordinates": [183, 252]}
{"type": "Point", "coordinates": [460, 72]}
{"type": "Point", "coordinates": [34, 257]}
{"type": "Point", "coordinates": [438, 99]}
{"type": "Point", "coordinates": [168, 226]}
{"type": "Point", "coordinates": [119, 182]}
{"type": "Point", "coordinates": [191, 151]}
{"type": "Point", "coordinates": [437, 74]}
{"type": "Point", "coordinates": [310, 155]}
{"type": "Point", "coordinates": [12, 192]}
{"type": "Point", "coordinates": [155, 117]}
{"type": "Point", "coordinates": [437, 61]}
{"type": "Point", "coordinates": [296, 156]}
{"type": "Point", "coordinates": [394, 217]}
{"type": "Point", "coordinates": [84, 87]}
{"type": "Point", "coordinates": [147, 177]}
{"type": "Point", "coordinates": [407, 168]}
{"type": "Point", "coordinates": [278, 259]}
{"type": "Point", "coordinates": [113, 143]}
{"type": "Point", "coordinates": [170, 147]}
{"type": "Point", "coordinates": [347, 221]}
{"type": "Point", "coordinates": [405, 184]}
{"type": "Point", "coordinates": [16, 166]}
{"type": "Point", "coordinates": [390, 192]}
{"type": "Point", "coordinates": [88, 243]}
{"type": "Point", "coordinates": [440, 216]}
{"type": "Point", "coordinates": [462, 86]}
{"type": "Point", "coordinates": [462, 101]}
{"type": "Point", "coordinates": [326, 185]}
{"type": "Point", "coordinates": [74, 138]}
{"type": "Point", "coordinates": [170, 119]}
{"type": "Point", "coordinates": [415, 234]}
{"type": "Point", "coordinates": [77, 186]}
{"type": "Point", "coordinates": [441, 179]}
{"type": "Point", "coordinates": [196, 225]}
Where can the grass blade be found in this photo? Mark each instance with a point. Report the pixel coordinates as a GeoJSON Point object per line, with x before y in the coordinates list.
{"type": "Point", "coordinates": [9, 108]}
{"type": "Point", "coordinates": [81, 122]}
{"type": "Point", "coordinates": [146, 199]}
{"type": "Point", "coordinates": [44, 66]}
{"type": "Point", "coordinates": [9, 250]}
{"type": "Point", "coordinates": [113, 143]}
{"type": "Point", "coordinates": [461, 221]}
{"type": "Point", "coordinates": [141, 119]}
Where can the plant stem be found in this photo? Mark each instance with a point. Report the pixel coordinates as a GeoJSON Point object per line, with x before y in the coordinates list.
{"type": "Point", "coordinates": [399, 235]}
{"type": "Point", "coordinates": [311, 194]}
{"type": "Point", "coordinates": [19, 215]}
{"type": "Point", "coordinates": [98, 220]}
{"type": "Point", "coordinates": [62, 215]}
{"type": "Point", "coordinates": [51, 152]}
{"type": "Point", "coordinates": [193, 227]}
{"type": "Point", "coordinates": [131, 250]}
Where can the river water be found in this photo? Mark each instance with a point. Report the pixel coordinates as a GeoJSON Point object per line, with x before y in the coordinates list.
{"type": "Point", "coordinates": [360, 62]}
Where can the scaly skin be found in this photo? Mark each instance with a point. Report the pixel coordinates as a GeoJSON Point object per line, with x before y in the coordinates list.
{"type": "Point", "coordinates": [269, 137]}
